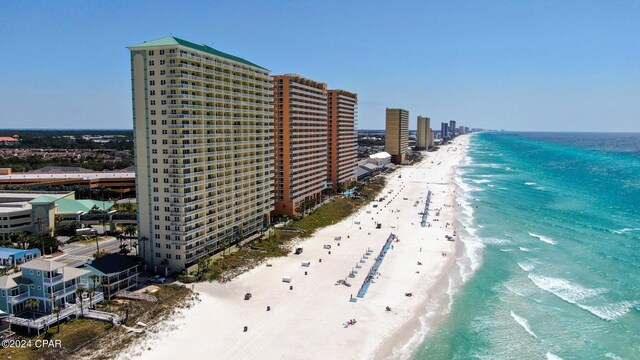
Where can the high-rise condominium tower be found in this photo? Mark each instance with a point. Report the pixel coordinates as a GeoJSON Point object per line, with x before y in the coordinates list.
{"type": "Point", "coordinates": [343, 141]}
{"type": "Point", "coordinates": [444, 131]}
{"type": "Point", "coordinates": [203, 149]}
{"type": "Point", "coordinates": [301, 136]}
{"type": "Point", "coordinates": [422, 135]}
{"type": "Point", "coordinates": [397, 134]}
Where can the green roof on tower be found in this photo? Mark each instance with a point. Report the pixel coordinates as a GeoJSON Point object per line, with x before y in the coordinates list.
{"type": "Point", "coordinates": [172, 40]}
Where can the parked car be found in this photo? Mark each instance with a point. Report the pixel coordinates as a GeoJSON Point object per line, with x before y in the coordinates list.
{"type": "Point", "coordinates": [157, 280]}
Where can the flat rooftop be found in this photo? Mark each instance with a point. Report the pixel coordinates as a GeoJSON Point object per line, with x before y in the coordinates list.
{"type": "Point", "coordinates": [71, 175]}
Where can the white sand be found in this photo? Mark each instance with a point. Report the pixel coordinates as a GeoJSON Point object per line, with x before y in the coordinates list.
{"type": "Point", "coordinates": [308, 321]}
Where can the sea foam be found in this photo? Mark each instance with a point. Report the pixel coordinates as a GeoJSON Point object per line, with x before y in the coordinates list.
{"type": "Point", "coordinates": [544, 239]}
{"type": "Point", "coordinates": [526, 266]}
{"type": "Point", "coordinates": [564, 289]}
{"type": "Point", "coordinates": [551, 356]}
{"type": "Point", "coordinates": [610, 312]}
{"type": "Point", "coordinates": [625, 230]}
{"type": "Point", "coordinates": [524, 323]}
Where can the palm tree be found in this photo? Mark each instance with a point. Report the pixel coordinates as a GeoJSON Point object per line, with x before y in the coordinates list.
{"type": "Point", "coordinates": [32, 304]}
{"type": "Point", "coordinates": [53, 299]}
{"type": "Point", "coordinates": [56, 310]}
{"type": "Point", "coordinates": [130, 231]}
{"type": "Point", "coordinates": [165, 263]}
{"type": "Point", "coordinates": [79, 292]}
{"type": "Point", "coordinates": [143, 241]}
{"type": "Point", "coordinates": [300, 208]}
{"type": "Point", "coordinates": [97, 245]}
{"type": "Point", "coordinates": [94, 278]}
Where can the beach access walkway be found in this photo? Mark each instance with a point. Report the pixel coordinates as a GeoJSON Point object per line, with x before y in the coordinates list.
{"type": "Point", "coordinates": [426, 210]}
{"type": "Point", "coordinates": [376, 265]}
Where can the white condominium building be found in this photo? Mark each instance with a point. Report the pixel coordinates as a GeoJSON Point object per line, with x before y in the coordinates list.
{"type": "Point", "coordinates": [203, 125]}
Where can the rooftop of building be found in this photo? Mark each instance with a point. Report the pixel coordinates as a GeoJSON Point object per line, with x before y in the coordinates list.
{"type": "Point", "coordinates": [42, 265]}
{"type": "Point", "coordinates": [369, 166]}
{"type": "Point", "coordinates": [172, 40]}
{"type": "Point", "coordinates": [344, 92]}
{"type": "Point", "coordinates": [303, 80]}
{"type": "Point", "coordinates": [380, 155]}
{"type": "Point", "coordinates": [11, 201]}
{"type": "Point", "coordinates": [113, 263]}
{"type": "Point", "coordinates": [74, 206]}
{"type": "Point", "coordinates": [6, 252]}
{"type": "Point", "coordinates": [13, 280]}
{"type": "Point", "coordinates": [88, 175]}
{"type": "Point", "coordinates": [60, 169]}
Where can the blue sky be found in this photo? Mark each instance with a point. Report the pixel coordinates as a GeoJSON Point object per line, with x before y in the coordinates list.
{"type": "Point", "coordinates": [517, 65]}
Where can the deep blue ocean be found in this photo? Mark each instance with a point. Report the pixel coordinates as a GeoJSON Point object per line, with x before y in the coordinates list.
{"type": "Point", "coordinates": [551, 223]}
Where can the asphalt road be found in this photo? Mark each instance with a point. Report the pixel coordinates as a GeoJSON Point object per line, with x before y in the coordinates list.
{"type": "Point", "coordinates": [75, 254]}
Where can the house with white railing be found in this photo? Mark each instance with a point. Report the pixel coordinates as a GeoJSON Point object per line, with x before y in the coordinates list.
{"type": "Point", "coordinates": [51, 283]}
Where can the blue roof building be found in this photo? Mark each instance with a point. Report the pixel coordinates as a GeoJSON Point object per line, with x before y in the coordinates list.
{"type": "Point", "coordinates": [10, 256]}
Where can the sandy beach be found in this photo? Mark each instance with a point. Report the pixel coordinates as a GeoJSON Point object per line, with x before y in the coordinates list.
{"type": "Point", "coordinates": [308, 317]}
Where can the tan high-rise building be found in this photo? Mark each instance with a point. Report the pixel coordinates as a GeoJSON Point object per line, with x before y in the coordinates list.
{"type": "Point", "coordinates": [422, 135]}
{"type": "Point", "coordinates": [397, 134]}
{"type": "Point", "coordinates": [301, 136]}
{"type": "Point", "coordinates": [343, 140]}
{"type": "Point", "coordinates": [203, 123]}
{"type": "Point", "coordinates": [430, 138]}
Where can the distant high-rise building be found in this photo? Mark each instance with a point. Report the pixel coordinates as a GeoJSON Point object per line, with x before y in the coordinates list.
{"type": "Point", "coordinates": [444, 131]}
{"type": "Point", "coordinates": [343, 140]}
{"type": "Point", "coordinates": [203, 150]}
{"type": "Point", "coordinates": [461, 130]}
{"type": "Point", "coordinates": [452, 129]}
{"type": "Point", "coordinates": [422, 135]}
{"type": "Point", "coordinates": [397, 134]}
{"type": "Point", "coordinates": [466, 129]}
{"type": "Point", "coordinates": [301, 138]}
{"type": "Point", "coordinates": [430, 138]}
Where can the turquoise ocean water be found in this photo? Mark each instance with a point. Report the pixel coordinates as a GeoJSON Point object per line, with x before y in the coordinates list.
{"type": "Point", "coordinates": [552, 263]}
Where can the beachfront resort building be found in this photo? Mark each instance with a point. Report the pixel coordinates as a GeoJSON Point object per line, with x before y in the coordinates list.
{"type": "Point", "coordinates": [203, 128]}
{"type": "Point", "coordinates": [301, 138]}
{"type": "Point", "coordinates": [343, 140]}
{"type": "Point", "coordinates": [424, 135]}
{"type": "Point", "coordinates": [396, 140]}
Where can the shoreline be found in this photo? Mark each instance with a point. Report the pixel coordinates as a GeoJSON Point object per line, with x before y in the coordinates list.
{"type": "Point", "coordinates": [308, 315]}
{"type": "Point", "coordinates": [404, 342]}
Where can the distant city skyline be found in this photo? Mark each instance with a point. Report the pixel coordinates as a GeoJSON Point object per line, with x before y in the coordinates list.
{"type": "Point", "coordinates": [533, 66]}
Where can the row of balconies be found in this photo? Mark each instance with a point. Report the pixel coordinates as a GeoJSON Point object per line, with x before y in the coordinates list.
{"type": "Point", "coordinates": [227, 84]}
{"type": "Point", "coordinates": [227, 204]}
{"type": "Point", "coordinates": [268, 120]}
{"type": "Point", "coordinates": [262, 99]}
{"type": "Point", "coordinates": [236, 68]}
{"type": "Point", "coordinates": [257, 80]}
{"type": "Point", "coordinates": [248, 226]}
{"type": "Point", "coordinates": [230, 127]}
{"type": "Point", "coordinates": [208, 152]}
{"type": "Point", "coordinates": [206, 172]}
{"type": "Point", "coordinates": [239, 215]}
{"type": "Point", "coordinates": [258, 95]}
{"type": "Point", "coordinates": [223, 109]}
